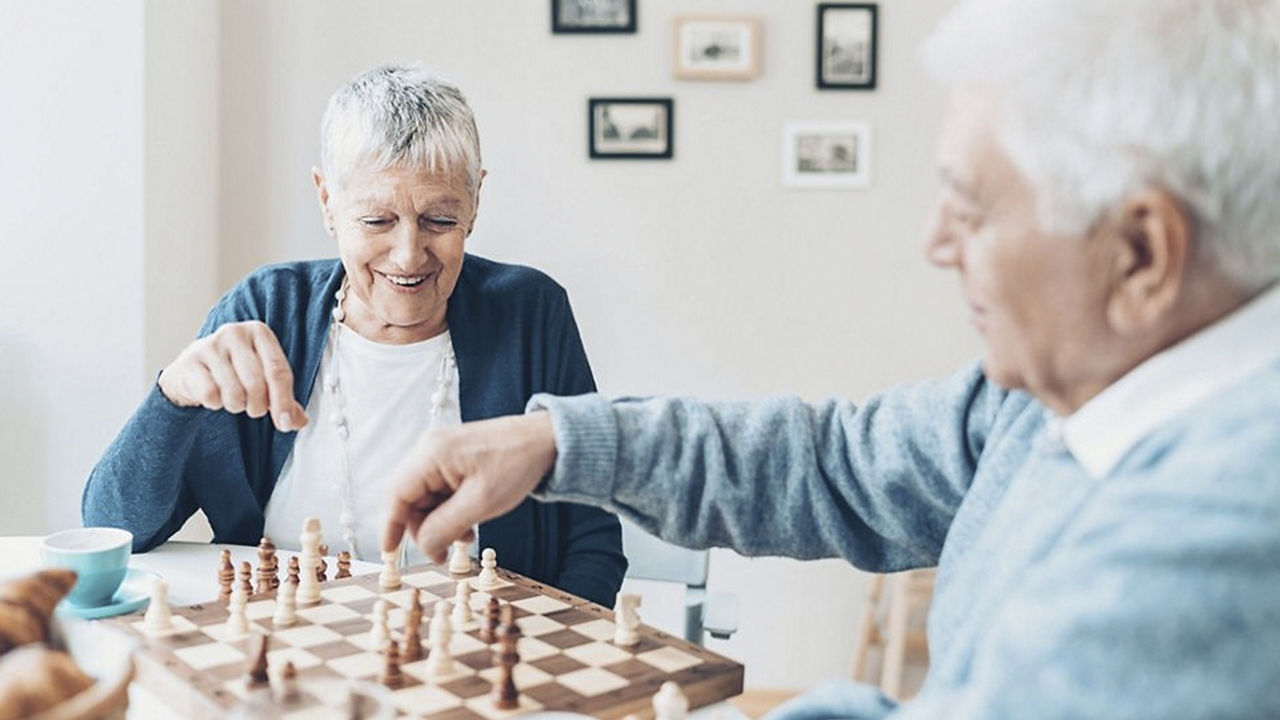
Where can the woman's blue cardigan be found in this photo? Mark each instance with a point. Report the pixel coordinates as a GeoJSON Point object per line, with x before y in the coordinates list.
{"type": "Point", "coordinates": [513, 335]}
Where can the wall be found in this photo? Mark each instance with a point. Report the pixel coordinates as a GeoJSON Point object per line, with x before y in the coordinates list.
{"type": "Point", "coordinates": [701, 275]}
{"type": "Point", "coordinates": [71, 241]}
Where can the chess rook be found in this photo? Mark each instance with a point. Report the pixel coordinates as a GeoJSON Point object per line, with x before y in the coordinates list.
{"type": "Point", "coordinates": [389, 578]}
{"type": "Point", "coordinates": [158, 620]}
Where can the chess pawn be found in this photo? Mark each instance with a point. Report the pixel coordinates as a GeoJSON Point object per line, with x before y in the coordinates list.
{"type": "Point", "coordinates": [226, 576]}
{"type": "Point", "coordinates": [237, 623]}
{"type": "Point", "coordinates": [669, 703]}
{"type": "Point", "coordinates": [294, 569]}
{"type": "Point", "coordinates": [440, 662]}
{"type": "Point", "coordinates": [159, 619]}
{"type": "Point", "coordinates": [488, 577]}
{"type": "Point", "coordinates": [380, 634]}
{"type": "Point", "coordinates": [626, 620]}
{"type": "Point", "coordinates": [460, 562]}
{"type": "Point", "coordinates": [490, 624]}
{"type": "Point", "coordinates": [246, 577]}
{"type": "Point", "coordinates": [266, 567]}
{"type": "Point", "coordinates": [344, 565]}
{"type": "Point", "coordinates": [323, 568]}
{"type": "Point", "coordinates": [504, 694]}
{"type": "Point", "coordinates": [287, 684]}
{"type": "Point", "coordinates": [389, 578]}
{"type": "Point", "coordinates": [286, 601]}
{"type": "Point", "coordinates": [258, 669]}
{"type": "Point", "coordinates": [461, 603]}
{"type": "Point", "coordinates": [391, 677]}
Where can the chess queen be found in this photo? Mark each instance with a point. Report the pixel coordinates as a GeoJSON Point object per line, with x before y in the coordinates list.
{"type": "Point", "coordinates": [311, 380]}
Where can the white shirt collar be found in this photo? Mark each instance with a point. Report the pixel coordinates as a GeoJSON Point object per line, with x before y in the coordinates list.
{"type": "Point", "coordinates": [1171, 382]}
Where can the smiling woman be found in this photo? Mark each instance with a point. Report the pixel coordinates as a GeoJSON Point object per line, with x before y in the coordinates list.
{"type": "Point", "coordinates": [402, 333]}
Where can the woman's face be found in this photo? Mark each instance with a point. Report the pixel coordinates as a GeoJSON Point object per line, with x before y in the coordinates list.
{"type": "Point", "coordinates": [401, 235]}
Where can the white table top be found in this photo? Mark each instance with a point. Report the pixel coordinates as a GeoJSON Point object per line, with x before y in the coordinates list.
{"type": "Point", "coordinates": [192, 572]}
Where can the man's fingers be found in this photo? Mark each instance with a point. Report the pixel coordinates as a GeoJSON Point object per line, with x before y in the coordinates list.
{"type": "Point", "coordinates": [286, 413]}
{"type": "Point", "coordinates": [450, 520]}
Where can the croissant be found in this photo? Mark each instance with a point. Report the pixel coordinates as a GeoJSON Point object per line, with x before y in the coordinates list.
{"type": "Point", "coordinates": [27, 603]}
{"type": "Point", "coordinates": [35, 678]}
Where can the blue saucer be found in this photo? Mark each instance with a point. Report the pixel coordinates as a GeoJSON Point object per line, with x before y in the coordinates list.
{"type": "Point", "coordinates": [134, 593]}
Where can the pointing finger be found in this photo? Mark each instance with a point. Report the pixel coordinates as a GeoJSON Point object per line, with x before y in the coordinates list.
{"type": "Point", "coordinates": [286, 413]}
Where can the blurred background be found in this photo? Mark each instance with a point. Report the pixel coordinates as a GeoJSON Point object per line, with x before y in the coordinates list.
{"type": "Point", "coordinates": [153, 152]}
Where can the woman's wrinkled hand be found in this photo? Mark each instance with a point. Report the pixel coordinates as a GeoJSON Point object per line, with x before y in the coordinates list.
{"type": "Point", "coordinates": [239, 368]}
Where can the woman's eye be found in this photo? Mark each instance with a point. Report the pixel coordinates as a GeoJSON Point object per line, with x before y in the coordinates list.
{"type": "Point", "coordinates": [440, 222]}
{"type": "Point", "coordinates": [374, 222]}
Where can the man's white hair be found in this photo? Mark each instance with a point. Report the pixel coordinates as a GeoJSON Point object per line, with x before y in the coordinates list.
{"type": "Point", "coordinates": [399, 115]}
{"type": "Point", "coordinates": [1100, 98]}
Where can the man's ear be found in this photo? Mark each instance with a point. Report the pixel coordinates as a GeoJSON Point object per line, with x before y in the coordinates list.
{"type": "Point", "coordinates": [322, 194]}
{"type": "Point", "coordinates": [1152, 246]}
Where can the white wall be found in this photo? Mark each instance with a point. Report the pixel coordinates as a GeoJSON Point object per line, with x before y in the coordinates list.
{"type": "Point", "coordinates": [700, 275]}
{"type": "Point", "coordinates": [71, 243]}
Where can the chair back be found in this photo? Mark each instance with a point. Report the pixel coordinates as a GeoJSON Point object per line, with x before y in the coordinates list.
{"type": "Point", "coordinates": [649, 558]}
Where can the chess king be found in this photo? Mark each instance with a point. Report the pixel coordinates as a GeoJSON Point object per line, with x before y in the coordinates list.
{"type": "Point", "coordinates": [310, 380]}
{"type": "Point", "coordinates": [1100, 493]}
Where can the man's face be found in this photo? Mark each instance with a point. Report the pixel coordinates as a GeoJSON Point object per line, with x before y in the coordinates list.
{"type": "Point", "coordinates": [1038, 300]}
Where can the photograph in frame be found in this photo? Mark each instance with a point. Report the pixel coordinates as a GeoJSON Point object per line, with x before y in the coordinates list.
{"type": "Point", "coordinates": [593, 16]}
{"type": "Point", "coordinates": [826, 155]}
{"type": "Point", "coordinates": [716, 47]}
{"type": "Point", "coordinates": [846, 45]}
{"type": "Point", "coordinates": [631, 128]}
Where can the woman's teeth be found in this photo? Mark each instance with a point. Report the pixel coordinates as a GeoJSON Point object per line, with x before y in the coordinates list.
{"type": "Point", "coordinates": [406, 280]}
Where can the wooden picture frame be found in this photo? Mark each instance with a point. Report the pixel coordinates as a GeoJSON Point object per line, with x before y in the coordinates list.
{"type": "Point", "coordinates": [716, 47]}
{"type": "Point", "coordinates": [593, 16]}
{"type": "Point", "coordinates": [846, 46]}
{"type": "Point", "coordinates": [630, 128]}
{"type": "Point", "coordinates": [826, 155]}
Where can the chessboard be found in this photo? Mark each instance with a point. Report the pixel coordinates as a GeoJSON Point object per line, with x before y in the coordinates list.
{"type": "Point", "coordinates": [568, 661]}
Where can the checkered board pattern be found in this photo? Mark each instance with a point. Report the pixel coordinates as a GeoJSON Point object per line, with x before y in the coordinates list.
{"type": "Point", "coordinates": [568, 661]}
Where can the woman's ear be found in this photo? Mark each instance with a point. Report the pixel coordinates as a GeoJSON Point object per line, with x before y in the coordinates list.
{"type": "Point", "coordinates": [322, 194]}
{"type": "Point", "coordinates": [1153, 241]}
{"type": "Point", "coordinates": [475, 211]}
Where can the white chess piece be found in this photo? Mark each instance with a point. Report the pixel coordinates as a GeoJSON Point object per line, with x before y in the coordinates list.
{"type": "Point", "coordinates": [488, 577]}
{"type": "Point", "coordinates": [285, 604]}
{"type": "Point", "coordinates": [389, 578]}
{"type": "Point", "coordinates": [461, 604]}
{"type": "Point", "coordinates": [669, 703]}
{"type": "Point", "coordinates": [626, 619]}
{"type": "Point", "coordinates": [237, 621]}
{"type": "Point", "coordinates": [460, 561]}
{"type": "Point", "coordinates": [380, 634]}
{"type": "Point", "coordinates": [158, 620]}
{"type": "Point", "coordinates": [309, 562]}
{"type": "Point", "coordinates": [440, 662]}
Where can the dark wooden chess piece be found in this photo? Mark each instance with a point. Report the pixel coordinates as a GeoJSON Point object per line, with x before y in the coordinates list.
{"type": "Point", "coordinates": [246, 577]}
{"type": "Point", "coordinates": [391, 676]}
{"type": "Point", "coordinates": [323, 567]}
{"type": "Point", "coordinates": [490, 621]}
{"type": "Point", "coordinates": [504, 694]}
{"type": "Point", "coordinates": [258, 670]}
{"type": "Point", "coordinates": [226, 576]}
{"type": "Point", "coordinates": [266, 566]}
{"type": "Point", "coordinates": [344, 565]}
{"type": "Point", "coordinates": [294, 569]}
{"type": "Point", "coordinates": [413, 630]}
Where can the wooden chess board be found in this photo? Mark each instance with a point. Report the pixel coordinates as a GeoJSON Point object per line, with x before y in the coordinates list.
{"type": "Point", "coordinates": [568, 661]}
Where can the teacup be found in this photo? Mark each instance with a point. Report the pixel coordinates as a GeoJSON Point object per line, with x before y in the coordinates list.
{"type": "Point", "coordinates": [100, 557]}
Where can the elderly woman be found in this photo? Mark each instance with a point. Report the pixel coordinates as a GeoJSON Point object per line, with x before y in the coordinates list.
{"type": "Point", "coordinates": [310, 380]}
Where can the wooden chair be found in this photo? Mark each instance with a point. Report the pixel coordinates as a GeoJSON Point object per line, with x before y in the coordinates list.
{"type": "Point", "coordinates": [891, 629]}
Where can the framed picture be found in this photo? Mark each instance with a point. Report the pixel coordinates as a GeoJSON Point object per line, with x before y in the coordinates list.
{"type": "Point", "coordinates": [631, 128]}
{"type": "Point", "coordinates": [846, 46]}
{"type": "Point", "coordinates": [593, 16]}
{"type": "Point", "coordinates": [717, 47]}
{"type": "Point", "coordinates": [826, 155]}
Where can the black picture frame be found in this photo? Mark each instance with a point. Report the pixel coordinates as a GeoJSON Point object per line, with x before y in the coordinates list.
{"type": "Point", "coordinates": [627, 142]}
{"type": "Point", "coordinates": [559, 26]}
{"type": "Point", "coordinates": [859, 61]}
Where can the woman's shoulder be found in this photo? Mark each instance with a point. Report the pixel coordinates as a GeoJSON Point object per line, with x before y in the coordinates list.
{"type": "Point", "coordinates": [281, 289]}
{"type": "Point", "coordinates": [484, 277]}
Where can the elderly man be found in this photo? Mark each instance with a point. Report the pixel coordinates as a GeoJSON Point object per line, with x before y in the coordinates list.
{"type": "Point", "coordinates": [1101, 493]}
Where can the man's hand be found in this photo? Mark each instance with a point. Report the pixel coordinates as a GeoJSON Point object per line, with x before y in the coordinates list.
{"type": "Point", "coordinates": [239, 368]}
{"type": "Point", "coordinates": [457, 477]}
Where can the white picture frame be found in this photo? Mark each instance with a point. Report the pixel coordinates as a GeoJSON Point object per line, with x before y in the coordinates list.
{"type": "Point", "coordinates": [826, 155]}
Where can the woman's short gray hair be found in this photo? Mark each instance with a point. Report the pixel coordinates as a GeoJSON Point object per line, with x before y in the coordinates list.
{"type": "Point", "coordinates": [399, 115]}
{"type": "Point", "coordinates": [1100, 98]}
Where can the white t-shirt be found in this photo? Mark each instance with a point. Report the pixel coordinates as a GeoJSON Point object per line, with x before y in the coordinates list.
{"type": "Point", "coordinates": [386, 392]}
